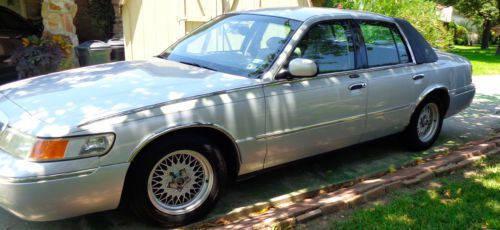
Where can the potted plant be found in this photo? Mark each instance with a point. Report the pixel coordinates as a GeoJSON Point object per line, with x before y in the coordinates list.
{"type": "Point", "coordinates": [42, 55]}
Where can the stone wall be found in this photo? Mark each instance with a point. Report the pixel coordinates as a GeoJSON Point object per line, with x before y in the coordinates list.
{"type": "Point", "coordinates": [118, 25]}
{"type": "Point", "coordinates": [58, 18]}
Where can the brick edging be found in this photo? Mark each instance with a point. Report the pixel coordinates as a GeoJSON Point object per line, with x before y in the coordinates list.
{"type": "Point", "coordinates": [288, 210]}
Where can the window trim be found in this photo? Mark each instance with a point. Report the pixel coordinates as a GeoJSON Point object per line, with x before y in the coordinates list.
{"type": "Point", "coordinates": [358, 63]}
{"type": "Point", "coordinates": [392, 26]}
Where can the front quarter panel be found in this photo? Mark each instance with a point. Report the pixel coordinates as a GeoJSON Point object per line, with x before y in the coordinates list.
{"type": "Point", "coordinates": [239, 113]}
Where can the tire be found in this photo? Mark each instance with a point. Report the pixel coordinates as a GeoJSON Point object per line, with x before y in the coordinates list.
{"type": "Point", "coordinates": [178, 182]}
{"type": "Point", "coordinates": [425, 116]}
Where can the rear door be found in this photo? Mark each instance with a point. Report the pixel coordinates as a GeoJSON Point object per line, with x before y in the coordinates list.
{"type": "Point", "coordinates": [390, 79]}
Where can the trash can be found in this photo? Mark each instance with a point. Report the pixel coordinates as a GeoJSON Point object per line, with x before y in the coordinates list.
{"type": "Point", "coordinates": [93, 52]}
{"type": "Point", "coordinates": [117, 49]}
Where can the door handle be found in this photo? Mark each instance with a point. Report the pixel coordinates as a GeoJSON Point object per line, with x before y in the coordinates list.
{"type": "Point", "coordinates": [357, 86]}
{"type": "Point", "coordinates": [418, 77]}
{"type": "Point", "coordinates": [354, 76]}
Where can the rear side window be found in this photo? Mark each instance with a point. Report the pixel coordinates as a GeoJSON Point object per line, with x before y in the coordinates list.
{"type": "Point", "coordinates": [384, 44]}
{"type": "Point", "coordinates": [330, 45]}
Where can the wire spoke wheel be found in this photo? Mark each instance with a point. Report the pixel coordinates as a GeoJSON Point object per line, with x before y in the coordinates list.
{"type": "Point", "coordinates": [428, 122]}
{"type": "Point", "coordinates": [180, 182]}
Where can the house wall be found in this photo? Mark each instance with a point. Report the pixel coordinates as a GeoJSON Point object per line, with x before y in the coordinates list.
{"type": "Point", "coordinates": [150, 26]}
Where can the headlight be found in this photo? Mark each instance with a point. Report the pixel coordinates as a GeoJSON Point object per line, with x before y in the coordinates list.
{"type": "Point", "coordinates": [41, 149]}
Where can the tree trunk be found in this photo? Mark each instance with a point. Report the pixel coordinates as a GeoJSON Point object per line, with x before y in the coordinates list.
{"type": "Point", "coordinates": [498, 49]}
{"type": "Point", "coordinates": [485, 43]}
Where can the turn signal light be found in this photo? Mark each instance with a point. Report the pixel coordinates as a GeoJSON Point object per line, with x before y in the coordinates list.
{"type": "Point", "coordinates": [49, 149]}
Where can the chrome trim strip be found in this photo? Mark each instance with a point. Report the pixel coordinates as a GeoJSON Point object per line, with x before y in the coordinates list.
{"type": "Point", "coordinates": [148, 139]}
{"type": "Point", "coordinates": [319, 125]}
{"type": "Point", "coordinates": [154, 106]}
{"type": "Point", "coordinates": [374, 113]}
{"type": "Point", "coordinates": [277, 65]}
{"type": "Point", "coordinates": [406, 41]}
{"type": "Point", "coordinates": [462, 90]}
{"type": "Point", "coordinates": [36, 179]}
{"type": "Point", "coordinates": [273, 70]}
{"type": "Point", "coordinates": [337, 74]}
{"type": "Point", "coordinates": [307, 23]}
{"type": "Point", "coordinates": [465, 92]}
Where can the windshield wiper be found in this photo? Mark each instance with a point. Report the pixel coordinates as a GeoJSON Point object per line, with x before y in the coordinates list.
{"type": "Point", "coordinates": [197, 65]}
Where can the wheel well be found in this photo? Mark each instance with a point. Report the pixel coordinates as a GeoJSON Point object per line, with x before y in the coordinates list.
{"type": "Point", "coordinates": [228, 147]}
{"type": "Point", "coordinates": [443, 95]}
{"type": "Point", "coordinates": [223, 141]}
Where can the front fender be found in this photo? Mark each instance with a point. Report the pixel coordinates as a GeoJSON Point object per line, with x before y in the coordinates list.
{"type": "Point", "coordinates": [163, 131]}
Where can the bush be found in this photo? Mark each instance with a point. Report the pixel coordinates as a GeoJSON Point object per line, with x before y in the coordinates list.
{"type": "Point", "coordinates": [40, 55]}
{"type": "Point", "coordinates": [460, 34]}
{"type": "Point", "coordinates": [103, 16]}
{"type": "Point", "coordinates": [420, 13]}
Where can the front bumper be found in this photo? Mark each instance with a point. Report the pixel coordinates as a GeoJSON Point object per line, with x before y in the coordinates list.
{"type": "Point", "coordinates": [57, 196]}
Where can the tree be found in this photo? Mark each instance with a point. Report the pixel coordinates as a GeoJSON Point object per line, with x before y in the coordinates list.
{"type": "Point", "coordinates": [103, 15]}
{"type": "Point", "coordinates": [488, 11]}
{"type": "Point", "coordinates": [498, 21]}
{"type": "Point", "coordinates": [420, 13]}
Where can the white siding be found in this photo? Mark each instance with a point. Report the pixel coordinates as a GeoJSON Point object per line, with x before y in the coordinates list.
{"type": "Point", "coordinates": [150, 26]}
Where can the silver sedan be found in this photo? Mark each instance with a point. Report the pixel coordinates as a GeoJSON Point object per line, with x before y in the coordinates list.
{"type": "Point", "coordinates": [245, 92]}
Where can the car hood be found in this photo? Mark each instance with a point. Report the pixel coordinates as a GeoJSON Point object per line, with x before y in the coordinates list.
{"type": "Point", "coordinates": [70, 98]}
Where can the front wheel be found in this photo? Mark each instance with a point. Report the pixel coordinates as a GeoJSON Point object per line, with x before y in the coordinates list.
{"type": "Point", "coordinates": [425, 124]}
{"type": "Point", "coordinates": [177, 183]}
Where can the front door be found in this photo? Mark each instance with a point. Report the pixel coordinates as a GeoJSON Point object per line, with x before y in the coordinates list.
{"type": "Point", "coordinates": [308, 116]}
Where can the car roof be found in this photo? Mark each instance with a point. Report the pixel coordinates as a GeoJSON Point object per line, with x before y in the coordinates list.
{"type": "Point", "coordinates": [304, 13]}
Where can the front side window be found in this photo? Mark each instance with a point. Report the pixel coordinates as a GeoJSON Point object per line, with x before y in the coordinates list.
{"type": "Point", "coordinates": [330, 45]}
{"type": "Point", "coordinates": [384, 44]}
{"type": "Point", "coordinates": [244, 45]}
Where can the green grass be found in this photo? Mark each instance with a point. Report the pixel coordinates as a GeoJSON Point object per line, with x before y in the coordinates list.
{"type": "Point", "coordinates": [484, 62]}
{"type": "Point", "coordinates": [463, 202]}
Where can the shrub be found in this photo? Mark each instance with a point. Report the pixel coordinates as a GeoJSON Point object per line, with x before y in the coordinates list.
{"type": "Point", "coordinates": [103, 16]}
{"type": "Point", "coordinates": [40, 56]}
{"type": "Point", "coordinates": [420, 13]}
{"type": "Point", "coordinates": [460, 33]}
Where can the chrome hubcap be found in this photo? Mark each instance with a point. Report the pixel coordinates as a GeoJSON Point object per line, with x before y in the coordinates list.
{"type": "Point", "coordinates": [180, 182]}
{"type": "Point", "coordinates": [428, 122]}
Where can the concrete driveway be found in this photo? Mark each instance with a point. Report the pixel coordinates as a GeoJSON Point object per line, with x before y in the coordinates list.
{"type": "Point", "coordinates": [477, 121]}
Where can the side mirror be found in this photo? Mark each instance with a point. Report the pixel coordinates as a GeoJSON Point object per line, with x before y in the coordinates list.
{"type": "Point", "coordinates": [301, 67]}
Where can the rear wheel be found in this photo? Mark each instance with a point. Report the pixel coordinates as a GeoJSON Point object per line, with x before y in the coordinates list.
{"type": "Point", "coordinates": [425, 124]}
{"type": "Point", "coordinates": [177, 183]}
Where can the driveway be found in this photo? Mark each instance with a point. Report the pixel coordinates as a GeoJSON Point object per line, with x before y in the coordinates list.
{"type": "Point", "coordinates": [477, 121]}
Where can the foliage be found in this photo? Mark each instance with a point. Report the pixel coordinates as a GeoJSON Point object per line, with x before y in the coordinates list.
{"type": "Point", "coordinates": [424, 17]}
{"type": "Point", "coordinates": [40, 55]}
{"type": "Point", "coordinates": [484, 62]}
{"type": "Point", "coordinates": [487, 11]}
{"type": "Point", "coordinates": [460, 34]}
{"type": "Point", "coordinates": [103, 15]}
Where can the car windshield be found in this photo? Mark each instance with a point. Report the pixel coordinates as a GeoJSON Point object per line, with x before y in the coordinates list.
{"type": "Point", "coordinates": [240, 44]}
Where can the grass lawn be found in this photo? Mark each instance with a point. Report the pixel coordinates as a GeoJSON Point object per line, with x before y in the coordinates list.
{"type": "Point", "coordinates": [484, 62]}
{"type": "Point", "coordinates": [464, 200]}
